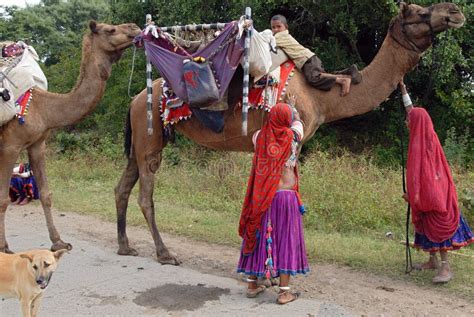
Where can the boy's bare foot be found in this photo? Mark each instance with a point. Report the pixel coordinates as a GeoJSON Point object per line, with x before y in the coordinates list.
{"type": "Point", "coordinates": [345, 83]}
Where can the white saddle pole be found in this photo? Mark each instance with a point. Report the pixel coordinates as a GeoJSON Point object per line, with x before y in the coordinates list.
{"type": "Point", "coordinates": [245, 92]}
{"type": "Point", "coordinates": [149, 88]}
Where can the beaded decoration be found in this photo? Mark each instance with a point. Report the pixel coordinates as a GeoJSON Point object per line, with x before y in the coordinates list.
{"type": "Point", "coordinates": [269, 269]}
{"type": "Point", "coordinates": [22, 104]}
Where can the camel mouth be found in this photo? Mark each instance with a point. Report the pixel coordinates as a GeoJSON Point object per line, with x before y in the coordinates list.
{"type": "Point", "coordinates": [455, 24]}
{"type": "Point", "coordinates": [124, 46]}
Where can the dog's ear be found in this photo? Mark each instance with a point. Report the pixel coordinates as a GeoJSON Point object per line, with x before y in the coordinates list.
{"type": "Point", "coordinates": [58, 254]}
{"type": "Point", "coordinates": [26, 256]}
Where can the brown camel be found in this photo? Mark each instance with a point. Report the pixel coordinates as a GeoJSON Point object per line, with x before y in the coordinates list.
{"type": "Point", "coordinates": [101, 47]}
{"type": "Point", "coordinates": [410, 34]}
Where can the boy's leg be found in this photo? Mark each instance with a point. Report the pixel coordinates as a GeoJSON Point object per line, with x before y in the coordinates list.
{"type": "Point", "coordinates": [313, 72]}
{"type": "Point", "coordinates": [319, 79]}
{"type": "Point", "coordinates": [353, 72]}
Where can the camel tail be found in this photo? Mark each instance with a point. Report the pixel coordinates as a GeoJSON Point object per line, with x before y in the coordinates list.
{"type": "Point", "coordinates": [127, 143]}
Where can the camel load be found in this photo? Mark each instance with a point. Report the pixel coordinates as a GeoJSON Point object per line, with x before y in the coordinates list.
{"type": "Point", "coordinates": [201, 63]}
{"type": "Point", "coordinates": [19, 73]}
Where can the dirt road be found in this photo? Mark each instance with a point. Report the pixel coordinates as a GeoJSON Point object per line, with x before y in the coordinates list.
{"type": "Point", "coordinates": [92, 280]}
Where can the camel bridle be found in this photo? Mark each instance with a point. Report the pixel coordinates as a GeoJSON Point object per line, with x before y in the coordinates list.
{"type": "Point", "coordinates": [426, 19]}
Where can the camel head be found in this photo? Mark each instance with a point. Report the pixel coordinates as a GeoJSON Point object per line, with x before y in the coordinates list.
{"type": "Point", "coordinates": [112, 40]}
{"type": "Point", "coordinates": [415, 27]}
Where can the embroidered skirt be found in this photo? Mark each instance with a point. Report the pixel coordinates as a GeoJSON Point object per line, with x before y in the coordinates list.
{"type": "Point", "coordinates": [461, 238]}
{"type": "Point", "coordinates": [288, 252]}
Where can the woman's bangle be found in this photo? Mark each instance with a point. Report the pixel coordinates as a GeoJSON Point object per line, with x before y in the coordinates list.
{"type": "Point", "coordinates": [406, 100]}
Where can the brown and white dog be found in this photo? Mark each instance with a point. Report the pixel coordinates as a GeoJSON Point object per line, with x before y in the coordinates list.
{"type": "Point", "coordinates": [26, 275]}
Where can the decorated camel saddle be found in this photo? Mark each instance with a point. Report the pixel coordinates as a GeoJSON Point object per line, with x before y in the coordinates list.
{"type": "Point", "coordinates": [269, 68]}
{"type": "Point", "coordinates": [19, 73]}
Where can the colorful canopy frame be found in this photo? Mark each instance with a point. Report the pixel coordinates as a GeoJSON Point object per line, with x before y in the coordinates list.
{"type": "Point", "coordinates": [224, 54]}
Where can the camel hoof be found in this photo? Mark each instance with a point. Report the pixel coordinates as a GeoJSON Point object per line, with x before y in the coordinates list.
{"type": "Point", "coordinates": [168, 259]}
{"type": "Point", "coordinates": [127, 251]}
{"type": "Point", "coordinates": [61, 245]}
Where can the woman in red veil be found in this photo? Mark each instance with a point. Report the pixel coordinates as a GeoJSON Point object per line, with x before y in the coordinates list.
{"type": "Point", "coordinates": [271, 223]}
{"type": "Point", "coordinates": [439, 225]}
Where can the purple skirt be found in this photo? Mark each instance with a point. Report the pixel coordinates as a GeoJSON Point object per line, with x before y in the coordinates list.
{"type": "Point", "coordinates": [21, 188]}
{"type": "Point", "coordinates": [461, 238]}
{"type": "Point", "coordinates": [288, 248]}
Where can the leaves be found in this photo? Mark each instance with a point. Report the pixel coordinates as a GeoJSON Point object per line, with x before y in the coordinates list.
{"type": "Point", "coordinates": [341, 32]}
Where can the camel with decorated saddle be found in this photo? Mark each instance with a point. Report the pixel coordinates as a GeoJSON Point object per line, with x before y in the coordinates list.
{"type": "Point", "coordinates": [102, 46]}
{"type": "Point", "coordinates": [410, 34]}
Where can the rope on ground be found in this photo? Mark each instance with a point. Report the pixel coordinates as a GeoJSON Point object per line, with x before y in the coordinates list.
{"type": "Point", "coordinates": [412, 245]}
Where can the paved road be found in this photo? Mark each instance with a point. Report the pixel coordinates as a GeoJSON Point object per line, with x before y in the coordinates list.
{"type": "Point", "coordinates": [92, 280]}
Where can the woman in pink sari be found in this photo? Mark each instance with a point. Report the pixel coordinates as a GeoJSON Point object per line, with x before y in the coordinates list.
{"type": "Point", "coordinates": [439, 225]}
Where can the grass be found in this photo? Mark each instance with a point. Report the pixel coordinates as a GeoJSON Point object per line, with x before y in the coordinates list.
{"type": "Point", "coordinates": [351, 204]}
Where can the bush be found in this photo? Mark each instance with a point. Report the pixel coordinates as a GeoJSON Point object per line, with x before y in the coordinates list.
{"type": "Point", "coordinates": [456, 147]}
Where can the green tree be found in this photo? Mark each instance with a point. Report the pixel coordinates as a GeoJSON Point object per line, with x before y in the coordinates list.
{"type": "Point", "coordinates": [341, 32]}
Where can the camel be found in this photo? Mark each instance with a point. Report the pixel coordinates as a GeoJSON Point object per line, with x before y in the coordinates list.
{"type": "Point", "coordinates": [101, 47]}
{"type": "Point", "coordinates": [411, 33]}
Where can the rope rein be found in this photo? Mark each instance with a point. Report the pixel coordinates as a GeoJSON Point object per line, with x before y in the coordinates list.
{"type": "Point", "coordinates": [131, 72]}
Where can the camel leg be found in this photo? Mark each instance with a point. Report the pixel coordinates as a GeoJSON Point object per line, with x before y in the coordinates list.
{"type": "Point", "coordinates": [122, 194]}
{"type": "Point", "coordinates": [36, 153]}
{"type": "Point", "coordinates": [145, 200]}
{"type": "Point", "coordinates": [6, 168]}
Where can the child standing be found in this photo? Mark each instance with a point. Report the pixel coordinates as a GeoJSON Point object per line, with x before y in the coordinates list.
{"type": "Point", "coordinates": [23, 187]}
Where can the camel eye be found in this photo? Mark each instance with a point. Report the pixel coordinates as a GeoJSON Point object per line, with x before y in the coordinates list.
{"type": "Point", "coordinates": [424, 15]}
{"type": "Point", "coordinates": [35, 267]}
{"type": "Point", "coordinates": [111, 31]}
{"type": "Point", "coordinates": [46, 264]}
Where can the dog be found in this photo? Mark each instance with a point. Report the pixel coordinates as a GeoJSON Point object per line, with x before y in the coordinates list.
{"type": "Point", "coordinates": [26, 275]}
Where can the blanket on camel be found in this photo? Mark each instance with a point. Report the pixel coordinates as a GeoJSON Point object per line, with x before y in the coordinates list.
{"type": "Point", "coordinates": [173, 109]}
{"type": "Point", "coordinates": [19, 74]}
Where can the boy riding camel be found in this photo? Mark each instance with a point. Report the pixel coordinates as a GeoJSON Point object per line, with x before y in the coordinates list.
{"type": "Point", "coordinates": [310, 65]}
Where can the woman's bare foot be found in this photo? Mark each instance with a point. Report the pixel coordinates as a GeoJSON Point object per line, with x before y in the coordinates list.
{"type": "Point", "coordinates": [253, 290]}
{"type": "Point", "coordinates": [286, 297]}
{"type": "Point", "coordinates": [432, 264]}
{"type": "Point", "coordinates": [444, 273]}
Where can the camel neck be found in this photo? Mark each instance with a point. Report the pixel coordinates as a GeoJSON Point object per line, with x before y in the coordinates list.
{"type": "Point", "coordinates": [67, 109]}
{"type": "Point", "coordinates": [379, 80]}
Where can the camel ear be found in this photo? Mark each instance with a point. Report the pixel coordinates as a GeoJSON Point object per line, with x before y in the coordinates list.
{"type": "Point", "coordinates": [93, 26]}
{"type": "Point", "coordinates": [26, 256]}
{"type": "Point", "coordinates": [404, 8]}
{"type": "Point", "coordinates": [58, 254]}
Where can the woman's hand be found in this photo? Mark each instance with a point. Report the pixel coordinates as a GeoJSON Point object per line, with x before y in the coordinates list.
{"type": "Point", "coordinates": [291, 100]}
{"type": "Point", "coordinates": [402, 87]}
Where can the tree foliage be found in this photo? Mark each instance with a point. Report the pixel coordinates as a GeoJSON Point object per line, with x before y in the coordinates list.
{"type": "Point", "coordinates": [341, 32]}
